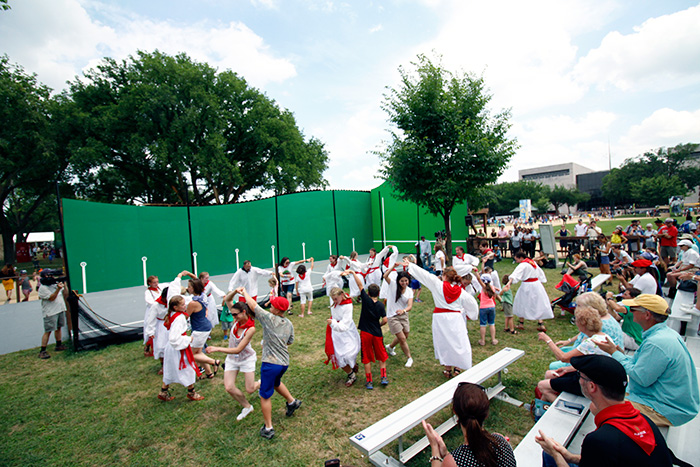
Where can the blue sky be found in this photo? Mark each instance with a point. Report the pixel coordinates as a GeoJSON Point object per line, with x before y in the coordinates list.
{"type": "Point", "coordinates": [577, 74]}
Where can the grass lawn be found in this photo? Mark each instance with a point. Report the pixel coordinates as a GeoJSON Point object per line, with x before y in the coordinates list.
{"type": "Point", "coordinates": [100, 407]}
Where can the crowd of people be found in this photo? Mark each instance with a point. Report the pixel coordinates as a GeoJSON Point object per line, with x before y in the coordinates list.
{"type": "Point", "coordinates": [628, 329]}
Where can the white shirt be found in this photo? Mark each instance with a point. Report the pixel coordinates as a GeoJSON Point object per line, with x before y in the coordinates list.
{"type": "Point", "coordinates": [580, 229]}
{"type": "Point", "coordinates": [690, 257]}
{"type": "Point", "coordinates": [439, 260]}
{"type": "Point", "coordinates": [645, 283]}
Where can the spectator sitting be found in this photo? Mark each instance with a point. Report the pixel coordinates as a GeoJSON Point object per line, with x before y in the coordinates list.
{"type": "Point", "coordinates": [663, 382]}
{"type": "Point", "coordinates": [577, 266]}
{"type": "Point", "coordinates": [623, 435]}
{"type": "Point", "coordinates": [471, 406]}
{"type": "Point", "coordinates": [565, 379]}
{"type": "Point", "coordinates": [632, 332]}
{"type": "Point", "coordinates": [622, 258]}
{"type": "Point", "coordinates": [688, 262]}
{"type": "Point", "coordinates": [643, 279]}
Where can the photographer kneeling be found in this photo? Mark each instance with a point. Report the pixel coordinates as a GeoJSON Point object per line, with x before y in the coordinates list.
{"type": "Point", "coordinates": [52, 308]}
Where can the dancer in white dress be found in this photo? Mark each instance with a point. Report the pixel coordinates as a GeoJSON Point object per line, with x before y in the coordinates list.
{"type": "Point", "coordinates": [179, 365]}
{"type": "Point", "coordinates": [450, 339]}
{"type": "Point", "coordinates": [152, 293]}
{"type": "Point", "coordinates": [352, 263]}
{"type": "Point", "coordinates": [332, 278]}
{"type": "Point", "coordinates": [531, 301]}
{"type": "Point", "coordinates": [210, 289]}
{"type": "Point", "coordinates": [342, 338]}
{"type": "Point", "coordinates": [247, 277]}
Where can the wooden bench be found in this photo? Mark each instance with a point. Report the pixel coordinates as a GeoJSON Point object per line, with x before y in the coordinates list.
{"type": "Point", "coordinates": [599, 280]}
{"type": "Point", "coordinates": [372, 439]}
{"type": "Point", "coordinates": [556, 423]}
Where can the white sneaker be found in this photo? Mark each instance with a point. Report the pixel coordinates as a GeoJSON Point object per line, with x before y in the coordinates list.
{"type": "Point", "coordinates": [244, 413]}
{"type": "Point", "coordinates": [409, 362]}
{"type": "Point", "coordinates": [390, 350]}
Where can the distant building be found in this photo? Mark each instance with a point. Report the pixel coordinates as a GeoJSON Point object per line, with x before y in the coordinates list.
{"type": "Point", "coordinates": [560, 174]}
{"type": "Point", "coordinates": [592, 183]}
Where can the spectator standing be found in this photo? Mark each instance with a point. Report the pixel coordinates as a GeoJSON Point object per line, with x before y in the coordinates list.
{"type": "Point", "coordinates": [425, 255]}
{"type": "Point", "coordinates": [53, 305]}
{"type": "Point", "coordinates": [580, 230]}
{"type": "Point", "coordinates": [634, 230]}
{"type": "Point", "coordinates": [650, 236]}
{"type": "Point", "coordinates": [8, 274]}
{"type": "Point", "coordinates": [667, 236]}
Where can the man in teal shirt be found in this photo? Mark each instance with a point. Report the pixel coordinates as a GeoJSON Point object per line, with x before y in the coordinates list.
{"type": "Point", "coordinates": [663, 384]}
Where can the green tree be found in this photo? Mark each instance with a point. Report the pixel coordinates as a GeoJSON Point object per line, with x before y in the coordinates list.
{"type": "Point", "coordinates": [4, 5]}
{"type": "Point", "coordinates": [31, 161]}
{"type": "Point", "coordinates": [560, 195]}
{"type": "Point", "coordinates": [448, 145]}
{"type": "Point", "coordinates": [662, 174]}
{"type": "Point", "coordinates": [507, 196]}
{"type": "Point", "coordinates": [158, 127]}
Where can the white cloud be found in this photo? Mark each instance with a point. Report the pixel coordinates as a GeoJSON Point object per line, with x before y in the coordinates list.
{"type": "Point", "coordinates": [269, 4]}
{"type": "Point", "coordinates": [69, 41]}
{"type": "Point", "coordinates": [663, 53]}
{"type": "Point", "coordinates": [664, 127]}
{"type": "Point", "coordinates": [563, 128]}
{"type": "Point", "coordinates": [376, 28]}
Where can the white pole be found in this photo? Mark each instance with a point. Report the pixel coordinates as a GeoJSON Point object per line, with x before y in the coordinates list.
{"type": "Point", "coordinates": [353, 245]}
{"type": "Point", "coordinates": [194, 255]}
{"type": "Point", "coordinates": [83, 265]}
{"type": "Point", "coordinates": [330, 248]}
{"type": "Point", "coordinates": [273, 256]}
{"type": "Point", "coordinates": [145, 274]}
{"type": "Point", "coordinates": [383, 226]}
{"type": "Point", "coordinates": [237, 266]}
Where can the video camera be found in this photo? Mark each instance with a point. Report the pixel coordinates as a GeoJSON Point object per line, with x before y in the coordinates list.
{"type": "Point", "coordinates": [440, 234]}
{"type": "Point", "coordinates": [52, 276]}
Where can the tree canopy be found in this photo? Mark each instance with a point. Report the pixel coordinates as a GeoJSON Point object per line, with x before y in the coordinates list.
{"type": "Point", "coordinates": [31, 160]}
{"type": "Point", "coordinates": [155, 126]}
{"type": "Point", "coordinates": [652, 178]}
{"type": "Point", "coordinates": [448, 145]}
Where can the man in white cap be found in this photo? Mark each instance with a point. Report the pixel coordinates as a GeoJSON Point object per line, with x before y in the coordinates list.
{"type": "Point", "coordinates": [663, 382]}
{"type": "Point", "coordinates": [668, 235]}
{"type": "Point", "coordinates": [689, 261]}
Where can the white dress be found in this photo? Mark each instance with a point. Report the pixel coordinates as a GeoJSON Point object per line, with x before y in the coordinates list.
{"type": "Point", "coordinates": [150, 297]}
{"type": "Point", "coordinates": [333, 279]}
{"type": "Point", "coordinates": [374, 272]}
{"type": "Point", "coordinates": [450, 340]}
{"type": "Point", "coordinates": [157, 314]}
{"type": "Point", "coordinates": [359, 268]}
{"type": "Point", "coordinates": [531, 301]}
{"type": "Point", "coordinates": [346, 339]}
{"type": "Point", "coordinates": [178, 341]}
{"type": "Point", "coordinates": [209, 290]}
{"type": "Point", "coordinates": [249, 280]}
{"type": "Point", "coordinates": [384, 288]}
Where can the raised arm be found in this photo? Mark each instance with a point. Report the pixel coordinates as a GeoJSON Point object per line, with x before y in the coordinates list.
{"type": "Point", "coordinates": [234, 350]}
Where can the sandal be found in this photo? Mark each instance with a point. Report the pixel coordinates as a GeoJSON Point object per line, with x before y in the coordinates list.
{"type": "Point", "coordinates": [514, 332]}
{"type": "Point", "coordinates": [541, 328]}
{"type": "Point", "coordinates": [482, 342]}
{"type": "Point", "coordinates": [217, 364]}
{"type": "Point", "coordinates": [494, 342]}
{"type": "Point", "coordinates": [456, 371]}
{"type": "Point", "coordinates": [447, 373]}
{"type": "Point", "coordinates": [520, 325]}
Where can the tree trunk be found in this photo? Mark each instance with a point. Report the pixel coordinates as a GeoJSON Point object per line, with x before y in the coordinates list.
{"type": "Point", "coordinates": [7, 243]}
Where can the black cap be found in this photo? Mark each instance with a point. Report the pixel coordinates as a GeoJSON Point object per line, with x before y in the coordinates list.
{"type": "Point", "coordinates": [602, 370]}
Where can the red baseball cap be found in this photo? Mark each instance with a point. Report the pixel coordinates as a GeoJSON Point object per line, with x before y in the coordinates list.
{"type": "Point", "coordinates": [641, 263]}
{"type": "Point", "coordinates": [280, 303]}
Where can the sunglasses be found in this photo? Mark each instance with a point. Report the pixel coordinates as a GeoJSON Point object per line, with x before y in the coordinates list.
{"type": "Point", "coordinates": [234, 314]}
{"type": "Point", "coordinates": [583, 377]}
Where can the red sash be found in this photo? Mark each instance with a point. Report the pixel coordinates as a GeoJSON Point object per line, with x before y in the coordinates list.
{"type": "Point", "coordinates": [330, 351]}
{"type": "Point", "coordinates": [451, 292]}
{"type": "Point", "coordinates": [532, 279]}
{"type": "Point", "coordinates": [444, 310]}
{"type": "Point", "coordinates": [190, 359]}
{"type": "Point", "coordinates": [629, 421]}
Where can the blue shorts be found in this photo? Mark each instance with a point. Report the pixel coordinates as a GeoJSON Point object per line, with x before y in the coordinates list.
{"type": "Point", "coordinates": [604, 259]}
{"type": "Point", "coordinates": [415, 285]}
{"type": "Point", "coordinates": [487, 316]}
{"type": "Point", "coordinates": [288, 289]}
{"type": "Point", "coordinates": [270, 378]}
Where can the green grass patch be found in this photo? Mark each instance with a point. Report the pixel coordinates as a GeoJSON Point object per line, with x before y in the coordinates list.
{"type": "Point", "coordinates": [100, 407]}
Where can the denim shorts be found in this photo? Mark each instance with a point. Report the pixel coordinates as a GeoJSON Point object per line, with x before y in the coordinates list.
{"type": "Point", "coordinates": [288, 289]}
{"type": "Point", "coordinates": [487, 316]}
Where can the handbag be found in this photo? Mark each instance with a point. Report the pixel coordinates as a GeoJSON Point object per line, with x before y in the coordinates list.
{"type": "Point", "coordinates": [687, 285]}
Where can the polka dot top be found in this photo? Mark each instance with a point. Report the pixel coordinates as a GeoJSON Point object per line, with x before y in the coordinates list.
{"type": "Point", "coordinates": [504, 454]}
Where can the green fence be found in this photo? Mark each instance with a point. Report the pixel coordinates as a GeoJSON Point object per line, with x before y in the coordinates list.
{"type": "Point", "coordinates": [112, 240]}
{"type": "Point", "coordinates": [402, 223]}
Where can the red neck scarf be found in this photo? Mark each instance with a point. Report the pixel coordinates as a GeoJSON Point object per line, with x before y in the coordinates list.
{"type": "Point", "coordinates": [451, 292]}
{"type": "Point", "coordinates": [371, 258]}
{"type": "Point", "coordinates": [347, 301]}
{"type": "Point", "coordinates": [169, 321]}
{"type": "Point", "coordinates": [629, 421]}
{"type": "Point", "coordinates": [302, 276]}
{"type": "Point", "coordinates": [155, 289]}
{"type": "Point", "coordinates": [248, 324]}
{"type": "Point", "coordinates": [386, 262]}
{"type": "Point", "coordinates": [161, 300]}
{"type": "Point", "coordinates": [204, 284]}
{"type": "Point", "coordinates": [461, 257]}
{"type": "Point", "coordinates": [333, 264]}
{"type": "Point", "coordinates": [530, 262]}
